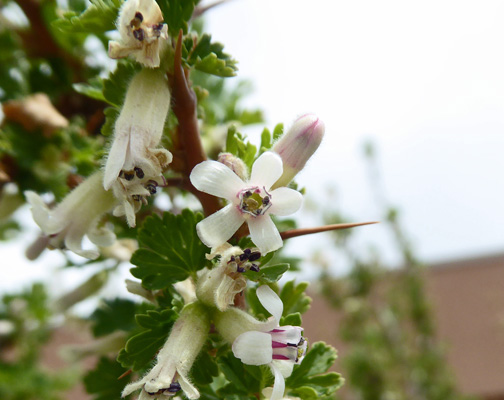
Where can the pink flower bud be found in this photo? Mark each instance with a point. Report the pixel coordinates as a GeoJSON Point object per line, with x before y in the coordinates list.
{"type": "Point", "coordinates": [297, 145]}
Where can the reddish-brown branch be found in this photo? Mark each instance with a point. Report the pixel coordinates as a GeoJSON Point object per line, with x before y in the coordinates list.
{"type": "Point", "coordinates": [308, 231]}
{"type": "Point", "coordinates": [185, 109]}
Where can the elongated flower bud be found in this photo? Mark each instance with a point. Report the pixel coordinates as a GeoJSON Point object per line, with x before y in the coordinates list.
{"type": "Point", "coordinates": [297, 145]}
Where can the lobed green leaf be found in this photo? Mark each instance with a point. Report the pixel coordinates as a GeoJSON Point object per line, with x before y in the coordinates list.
{"type": "Point", "coordinates": [141, 348]}
{"type": "Point", "coordinates": [170, 249]}
{"type": "Point", "coordinates": [177, 14]}
{"type": "Point", "coordinates": [209, 57]}
{"type": "Point", "coordinates": [294, 298]}
{"type": "Point", "coordinates": [103, 382]}
{"type": "Point", "coordinates": [306, 380]}
{"type": "Point", "coordinates": [99, 17]}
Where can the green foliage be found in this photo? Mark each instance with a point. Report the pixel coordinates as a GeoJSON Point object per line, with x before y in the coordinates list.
{"type": "Point", "coordinates": [170, 250]}
{"type": "Point", "coordinates": [99, 17]}
{"type": "Point", "coordinates": [112, 315]}
{"type": "Point", "coordinates": [209, 57]}
{"type": "Point", "coordinates": [236, 145]}
{"type": "Point", "coordinates": [307, 380]}
{"type": "Point", "coordinates": [267, 139]}
{"type": "Point", "coordinates": [103, 382]}
{"type": "Point", "coordinates": [294, 298]}
{"type": "Point", "coordinates": [177, 14]}
{"type": "Point", "coordinates": [141, 348]}
{"type": "Point", "coordinates": [243, 379]}
{"type": "Point", "coordinates": [204, 369]}
{"type": "Point", "coordinates": [22, 381]}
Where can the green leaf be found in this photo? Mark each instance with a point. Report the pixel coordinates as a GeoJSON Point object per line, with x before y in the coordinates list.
{"type": "Point", "coordinates": [278, 132]}
{"type": "Point", "coordinates": [177, 14]}
{"type": "Point", "coordinates": [204, 369]}
{"type": "Point", "coordinates": [99, 17]}
{"type": "Point", "coordinates": [111, 115]}
{"type": "Point", "coordinates": [265, 140]}
{"type": "Point", "coordinates": [291, 319]}
{"type": "Point", "coordinates": [267, 274]}
{"type": "Point", "coordinates": [93, 89]}
{"type": "Point", "coordinates": [306, 380]}
{"type": "Point", "coordinates": [244, 379]}
{"type": "Point", "coordinates": [210, 58]}
{"type": "Point", "coordinates": [141, 348]}
{"type": "Point", "coordinates": [112, 315]}
{"type": "Point", "coordinates": [170, 249]}
{"type": "Point", "coordinates": [236, 145]}
{"type": "Point", "coordinates": [294, 298]}
{"type": "Point", "coordinates": [114, 87]}
{"type": "Point", "coordinates": [102, 382]}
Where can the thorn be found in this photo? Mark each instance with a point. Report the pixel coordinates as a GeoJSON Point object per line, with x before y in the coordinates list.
{"type": "Point", "coordinates": [308, 231]}
{"type": "Point", "coordinates": [129, 371]}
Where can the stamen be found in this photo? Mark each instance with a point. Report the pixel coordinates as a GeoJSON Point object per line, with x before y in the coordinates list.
{"type": "Point", "coordinates": [139, 34]}
{"type": "Point", "coordinates": [139, 172]}
{"type": "Point", "coordinates": [174, 387]}
{"type": "Point", "coordinates": [254, 267]}
{"type": "Point", "coordinates": [255, 256]}
{"type": "Point", "coordinates": [128, 175]}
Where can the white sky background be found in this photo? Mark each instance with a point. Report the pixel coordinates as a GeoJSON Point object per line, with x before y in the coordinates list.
{"type": "Point", "coordinates": [423, 80]}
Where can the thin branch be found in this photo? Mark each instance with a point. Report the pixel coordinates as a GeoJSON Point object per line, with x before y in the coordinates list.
{"type": "Point", "coordinates": [199, 10]}
{"type": "Point", "coordinates": [309, 231]}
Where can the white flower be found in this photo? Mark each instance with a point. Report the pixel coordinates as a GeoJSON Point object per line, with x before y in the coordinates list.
{"type": "Point", "coordinates": [249, 201]}
{"type": "Point", "coordinates": [175, 359]}
{"type": "Point", "coordinates": [280, 347]}
{"type": "Point", "coordinates": [134, 165]}
{"type": "Point", "coordinates": [143, 35]}
{"type": "Point", "coordinates": [76, 216]}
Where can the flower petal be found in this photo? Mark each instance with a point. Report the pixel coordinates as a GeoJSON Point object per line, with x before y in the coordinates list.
{"type": "Point", "coordinates": [189, 390]}
{"type": "Point", "coordinates": [217, 228]}
{"type": "Point", "coordinates": [279, 385]}
{"type": "Point", "coordinates": [253, 348]}
{"type": "Point", "coordinates": [284, 366]}
{"type": "Point", "coordinates": [41, 214]}
{"type": "Point", "coordinates": [264, 234]}
{"type": "Point", "coordinates": [270, 301]}
{"type": "Point", "coordinates": [267, 169]}
{"type": "Point", "coordinates": [285, 201]}
{"type": "Point", "coordinates": [116, 158]}
{"type": "Point", "coordinates": [132, 387]}
{"type": "Point", "coordinates": [216, 179]}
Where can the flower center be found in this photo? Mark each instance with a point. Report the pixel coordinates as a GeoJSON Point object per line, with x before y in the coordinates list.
{"type": "Point", "coordinates": [254, 200]}
{"type": "Point", "coordinates": [288, 343]}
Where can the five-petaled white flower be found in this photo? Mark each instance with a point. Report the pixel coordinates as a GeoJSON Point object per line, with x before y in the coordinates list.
{"type": "Point", "coordinates": [280, 347]}
{"type": "Point", "coordinates": [76, 216]}
{"type": "Point", "coordinates": [249, 201]}
{"type": "Point", "coordinates": [143, 35]}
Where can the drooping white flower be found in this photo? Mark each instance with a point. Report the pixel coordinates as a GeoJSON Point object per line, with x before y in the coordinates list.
{"type": "Point", "coordinates": [264, 342]}
{"type": "Point", "coordinates": [76, 216]}
{"type": "Point", "coordinates": [249, 201]}
{"type": "Point", "coordinates": [143, 35]}
{"type": "Point", "coordinates": [218, 286]}
{"type": "Point", "coordinates": [175, 359]}
{"type": "Point", "coordinates": [135, 163]}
